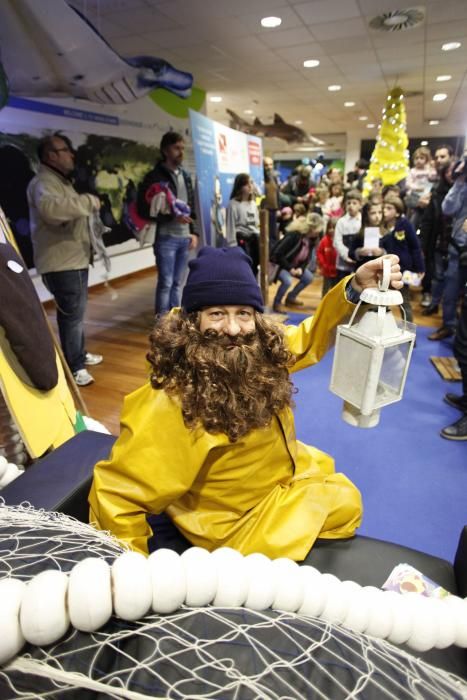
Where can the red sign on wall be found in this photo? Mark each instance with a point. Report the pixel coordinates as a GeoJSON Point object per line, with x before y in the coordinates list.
{"type": "Point", "coordinates": [254, 153]}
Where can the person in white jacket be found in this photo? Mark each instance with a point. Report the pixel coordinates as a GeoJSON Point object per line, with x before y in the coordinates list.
{"type": "Point", "coordinates": [59, 220]}
{"type": "Point", "coordinates": [347, 227]}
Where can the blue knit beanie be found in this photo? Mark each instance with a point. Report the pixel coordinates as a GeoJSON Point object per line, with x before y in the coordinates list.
{"type": "Point", "coordinates": [221, 277]}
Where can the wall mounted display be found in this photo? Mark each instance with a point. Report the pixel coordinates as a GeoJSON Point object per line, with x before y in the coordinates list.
{"type": "Point", "coordinates": [220, 154]}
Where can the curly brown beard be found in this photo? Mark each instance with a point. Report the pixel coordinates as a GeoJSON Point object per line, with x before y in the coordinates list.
{"type": "Point", "coordinates": [228, 384]}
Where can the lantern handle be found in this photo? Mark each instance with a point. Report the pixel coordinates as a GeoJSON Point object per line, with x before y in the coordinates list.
{"type": "Point", "coordinates": [383, 284]}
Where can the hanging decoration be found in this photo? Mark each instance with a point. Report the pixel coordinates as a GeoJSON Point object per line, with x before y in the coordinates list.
{"type": "Point", "coordinates": [390, 158]}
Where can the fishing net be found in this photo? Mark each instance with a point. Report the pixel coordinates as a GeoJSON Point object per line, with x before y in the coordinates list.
{"type": "Point", "coordinates": [228, 653]}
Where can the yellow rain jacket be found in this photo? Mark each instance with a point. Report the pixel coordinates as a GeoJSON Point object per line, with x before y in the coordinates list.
{"type": "Point", "coordinates": [266, 493]}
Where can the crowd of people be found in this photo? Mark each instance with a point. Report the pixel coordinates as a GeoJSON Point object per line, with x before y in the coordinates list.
{"type": "Point", "coordinates": [318, 220]}
{"type": "Point", "coordinates": [217, 406]}
{"type": "Point", "coordinates": [326, 224]}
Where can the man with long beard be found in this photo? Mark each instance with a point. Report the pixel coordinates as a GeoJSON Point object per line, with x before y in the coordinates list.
{"type": "Point", "coordinates": [210, 440]}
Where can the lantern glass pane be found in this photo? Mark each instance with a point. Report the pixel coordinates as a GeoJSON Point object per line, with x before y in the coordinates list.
{"type": "Point", "coordinates": [392, 375]}
{"type": "Point", "coordinates": [351, 371]}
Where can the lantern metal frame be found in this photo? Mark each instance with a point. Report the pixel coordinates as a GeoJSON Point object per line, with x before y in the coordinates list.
{"type": "Point", "coordinates": [360, 383]}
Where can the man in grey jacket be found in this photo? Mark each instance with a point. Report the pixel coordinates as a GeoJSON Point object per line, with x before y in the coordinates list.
{"type": "Point", "coordinates": [59, 219]}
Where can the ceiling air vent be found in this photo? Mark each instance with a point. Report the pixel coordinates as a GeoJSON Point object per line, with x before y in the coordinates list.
{"type": "Point", "coordinates": [398, 20]}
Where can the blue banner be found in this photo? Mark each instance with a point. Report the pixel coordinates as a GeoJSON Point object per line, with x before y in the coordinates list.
{"type": "Point", "coordinates": [220, 154]}
{"type": "Point", "coordinates": [73, 113]}
{"type": "Point", "coordinates": [59, 110]}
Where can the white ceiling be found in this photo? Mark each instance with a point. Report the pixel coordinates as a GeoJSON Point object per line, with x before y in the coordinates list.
{"type": "Point", "coordinates": [223, 44]}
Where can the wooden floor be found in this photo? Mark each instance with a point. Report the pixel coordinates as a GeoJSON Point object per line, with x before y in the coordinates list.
{"type": "Point", "coordinates": [118, 322]}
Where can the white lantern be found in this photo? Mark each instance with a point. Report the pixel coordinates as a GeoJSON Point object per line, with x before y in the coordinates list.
{"type": "Point", "coordinates": [372, 356]}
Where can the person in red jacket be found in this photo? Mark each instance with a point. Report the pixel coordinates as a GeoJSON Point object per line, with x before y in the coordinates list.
{"type": "Point", "coordinates": [326, 257]}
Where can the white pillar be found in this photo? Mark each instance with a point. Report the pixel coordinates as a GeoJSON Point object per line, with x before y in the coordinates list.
{"type": "Point", "coordinates": [352, 153]}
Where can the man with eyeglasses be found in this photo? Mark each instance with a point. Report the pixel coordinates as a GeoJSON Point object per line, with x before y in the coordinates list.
{"type": "Point", "coordinates": [59, 220]}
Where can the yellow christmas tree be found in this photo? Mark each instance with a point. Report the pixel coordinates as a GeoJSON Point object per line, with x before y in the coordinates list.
{"type": "Point", "coordinates": [390, 158]}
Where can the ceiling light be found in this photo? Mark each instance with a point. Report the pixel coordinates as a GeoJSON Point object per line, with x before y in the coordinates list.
{"type": "Point", "coordinates": [370, 126]}
{"type": "Point", "coordinates": [451, 46]}
{"type": "Point", "coordinates": [439, 97]}
{"type": "Point", "coordinates": [349, 104]}
{"type": "Point", "coordinates": [298, 122]}
{"type": "Point", "coordinates": [311, 63]}
{"type": "Point", "coordinates": [215, 98]}
{"type": "Point", "coordinates": [423, 143]}
{"type": "Point", "coordinates": [363, 118]}
{"type": "Point", "coordinates": [334, 88]}
{"type": "Point", "coordinates": [271, 22]}
{"type": "Point", "coordinates": [248, 111]}
{"type": "Point", "coordinates": [315, 139]}
{"type": "Point", "coordinates": [443, 78]}
{"type": "Point", "coordinates": [433, 122]}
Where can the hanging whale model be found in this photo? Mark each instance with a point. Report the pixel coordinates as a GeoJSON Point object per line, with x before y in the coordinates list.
{"type": "Point", "coordinates": [48, 49]}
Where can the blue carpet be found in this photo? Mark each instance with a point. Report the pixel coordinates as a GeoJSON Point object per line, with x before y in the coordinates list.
{"type": "Point", "coordinates": [413, 482]}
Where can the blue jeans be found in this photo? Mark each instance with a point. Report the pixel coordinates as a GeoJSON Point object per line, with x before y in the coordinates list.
{"type": "Point", "coordinates": [171, 258]}
{"type": "Point", "coordinates": [286, 279]}
{"type": "Point", "coordinates": [447, 284]}
{"type": "Point", "coordinates": [70, 290]}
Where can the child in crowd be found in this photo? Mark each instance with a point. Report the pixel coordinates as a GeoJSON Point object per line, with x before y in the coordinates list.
{"type": "Point", "coordinates": [419, 182]}
{"type": "Point", "coordinates": [242, 218]}
{"type": "Point", "coordinates": [391, 189]}
{"type": "Point", "coordinates": [334, 206]}
{"type": "Point", "coordinates": [322, 195]}
{"type": "Point", "coordinates": [285, 217]}
{"type": "Point", "coordinates": [375, 199]}
{"type": "Point", "coordinates": [312, 206]}
{"type": "Point", "coordinates": [376, 187]}
{"type": "Point", "coordinates": [293, 254]}
{"type": "Point", "coordinates": [346, 229]}
{"type": "Point", "coordinates": [372, 217]}
{"type": "Point", "coordinates": [326, 256]}
{"type": "Point", "coordinates": [299, 210]}
{"type": "Point", "coordinates": [402, 240]}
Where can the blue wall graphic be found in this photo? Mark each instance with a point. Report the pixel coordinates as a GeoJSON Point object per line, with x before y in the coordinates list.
{"type": "Point", "coordinates": [220, 154]}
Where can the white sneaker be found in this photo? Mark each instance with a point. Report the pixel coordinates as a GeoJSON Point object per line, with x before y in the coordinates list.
{"type": "Point", "coordinates": [91, 359]}
{"type": "Point", "coordinates": [82, 377]}
{"type": "Point", "coordinates": [426, 300]}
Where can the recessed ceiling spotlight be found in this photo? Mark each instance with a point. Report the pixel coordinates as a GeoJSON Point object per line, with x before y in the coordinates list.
{"type": "Point", "coordinates": [248, 111]}
{"type": "Point", "coordinates": [271, 22]}
{"type": "Point", "coordinates": [423, 143]}
{"type": "Point", "coordinates": [439, 97]}
{"type": "Point", "coordinates": [215, 98]}
{"type": "Point", "coordinates": [298, 122]}
{"type": "Point", "coordinates": [370, 126]}
{"type": "Point", "coordinates": [443, 78]}
{"type": "Point", "coordinates": [433, 122]}
{"type": "Point", "coordinates": [311, 63]}
{"type": "Point", "coordinates": [349, 104]}
{"type": "Point", "coordinates": [451, 46]}
{"type": "Point", "coordinates": [363, 118]}
{"type": "Point", "coordinates": [334, 88]}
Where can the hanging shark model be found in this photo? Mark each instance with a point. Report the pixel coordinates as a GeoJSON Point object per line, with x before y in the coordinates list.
{"type": "Point", "coordinates": [48, 49]}
{"type": "Point", "coordinates": [278, 129]}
